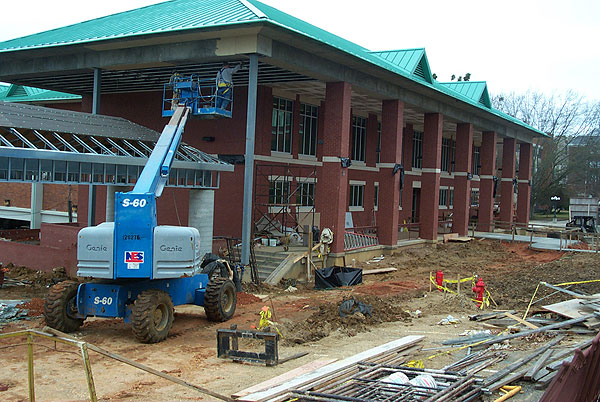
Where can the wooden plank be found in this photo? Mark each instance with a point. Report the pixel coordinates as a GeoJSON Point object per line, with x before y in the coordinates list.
{"type": "Point", "coordinates": [378, 271]}
{"type": "Point", "coordinates": [558, 357]}
{"type": "Point", "coordinates": [280, 379]}
{"type": "Point", "coordinates": [538, 364]}
{"type": "Point", "coordinates": [520, 320]}
{"type": "Point", "coordinates": [506, 380]}
{"type": "Point", "coordinates": [534, 331]}
{"type": "Point", "coordinates": [522, 361]}
{"type": "Point", "coordinates": [301, 380]}
{"type": "Point", "coordinates": [573, 308]}
{"type": "Point", "coordinates": [460, 239]}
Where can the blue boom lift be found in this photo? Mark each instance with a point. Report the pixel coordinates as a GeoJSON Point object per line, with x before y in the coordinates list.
{"type": "Point", "coordinates": [141, 270]}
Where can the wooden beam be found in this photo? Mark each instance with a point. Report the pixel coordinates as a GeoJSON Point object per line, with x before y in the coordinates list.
{"type": "Point", "coordinates": [521, 321]}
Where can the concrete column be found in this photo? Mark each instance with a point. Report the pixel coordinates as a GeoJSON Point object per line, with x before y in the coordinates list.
{"type": "Point", "coordinates": [462, 185]}
{"type": "Point", "coordinates": [509, 150]}
{"type": "Point", "coordinates": [111, 190]}
{"type": "Point", "coordinates": [524, 186]}
{"type": "Point", "coordinates": [333, 180]}
{"type": "Point", "coordinates": [430, 177]}
{"type": "Point", "coordinates": [407, 191]}
{"type": "Point", "coordinates": [487, 157]}
{"type": "Point", "coordinates": [201, 213]}
{"type": "Point", "coordinates": [389, 183]}
{"type": "Point", "coordinates": [37, 200]}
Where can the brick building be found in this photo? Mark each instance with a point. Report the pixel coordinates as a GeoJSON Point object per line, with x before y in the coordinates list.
{"type": "Point", "coordinates": [307, 103]}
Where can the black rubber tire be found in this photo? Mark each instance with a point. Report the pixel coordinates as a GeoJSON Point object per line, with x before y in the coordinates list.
{"type": "Point", "coordinates": [60, 305]}
{"type": "Point", "coordinates": [152, 316]}
{"type": "Point", "coordinates": [220, 299]}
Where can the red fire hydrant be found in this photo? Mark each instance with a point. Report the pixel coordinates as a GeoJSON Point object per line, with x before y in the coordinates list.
{"type": "Point", "coordinates": [439, 279]}
{"type": "Point", "coordinates": [479, 288]}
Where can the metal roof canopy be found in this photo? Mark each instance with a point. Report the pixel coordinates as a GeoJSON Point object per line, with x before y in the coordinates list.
{"type": "Point", "coordinates": [40, 144]}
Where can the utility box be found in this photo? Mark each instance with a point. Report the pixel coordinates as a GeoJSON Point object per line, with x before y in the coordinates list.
{"type": "Point", "coordinates": [583, 206]}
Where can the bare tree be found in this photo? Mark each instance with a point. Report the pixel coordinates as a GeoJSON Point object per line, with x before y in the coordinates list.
{"type": "Point", "coordinates": [565, 118]}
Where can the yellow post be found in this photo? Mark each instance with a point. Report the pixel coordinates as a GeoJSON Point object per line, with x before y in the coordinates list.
{"type": "Point", "coordinates": [309, 256]}
{"type": "Point", "coordinates": [30, 378]}
{"type": "Point", "coordinates": [87, 366]}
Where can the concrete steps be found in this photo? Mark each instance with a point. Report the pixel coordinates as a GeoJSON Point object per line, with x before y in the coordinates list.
{"type": "Point", "coordinates": [267, 261]}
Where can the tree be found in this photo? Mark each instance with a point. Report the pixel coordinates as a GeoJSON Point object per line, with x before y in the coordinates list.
{"type": "Point", "coordinates": [567, 118]}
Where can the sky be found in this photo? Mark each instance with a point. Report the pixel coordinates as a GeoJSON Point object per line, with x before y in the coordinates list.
{"type": "Point", "coordinates": [550, 46]}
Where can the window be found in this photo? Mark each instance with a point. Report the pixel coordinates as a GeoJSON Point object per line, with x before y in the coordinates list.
{"type": "Point", "coordinates": [359, 138]}
{"type": "Point", "coordinates": [476, 161]}
{"type": "Point", "coordinates": [417, 159]}
{"type": "Point", "coordinates": [357, 192]}
{"type": "Point", "coordinates": [474, 197]}
{"type": "Point", "coordinates": [279, 192]}
{"type": "Point", "coordinates": [378, 142]}
{"type": "Point", "coordinates": [451, 198]}
{"type": "Point", "coordinates": [281, 134]}
{"type": "Point", "coordinates": [376, 200]}
{"type": "Point", "coordinates": [443, 203]}
{"type": "Point", "coordinates": [306, 194]}
{"type": "Point", "coordinates": [448, 152]}
{"type": "Point", "coordinates": [309, 121]}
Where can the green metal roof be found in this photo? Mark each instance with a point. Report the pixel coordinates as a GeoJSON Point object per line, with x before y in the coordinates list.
{"type": "Point", "coordinates": [475, 90]}
{"type": "Point", "coordinates": [414, 61]}
{"type": "Point", "coordinates": [184, 15]}
{"type": "Point", "coordinates": [20, 93]}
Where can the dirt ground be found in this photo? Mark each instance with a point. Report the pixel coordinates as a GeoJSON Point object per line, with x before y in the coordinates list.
{"type": "Point", "coordinates": [308, 319]}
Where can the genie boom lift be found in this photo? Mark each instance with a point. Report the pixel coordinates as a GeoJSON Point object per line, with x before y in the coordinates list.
{"type": "Point", "coordinates": [141, 270]}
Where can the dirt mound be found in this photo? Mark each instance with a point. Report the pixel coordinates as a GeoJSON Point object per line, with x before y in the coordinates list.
{"type": "Point", "coordinates": [34, 307]}
{"type": "Point", "coordinates": [36, 279]}
{"type": "Point", "coordinates": [327, 319]}
{"type": "Point", "coordinates": [244, 298]}
{"type": "Point", "coordinates": [514, 288]}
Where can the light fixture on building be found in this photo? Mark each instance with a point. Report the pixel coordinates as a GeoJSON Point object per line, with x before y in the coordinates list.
{"type": "Point", "coordinates": [7, 203]}
{"type": "Point", "coordinates": [346, 162]}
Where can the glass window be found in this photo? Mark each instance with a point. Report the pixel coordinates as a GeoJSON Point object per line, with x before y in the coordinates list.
{"type": "Point", "coordinates": [378, 142]}
{"type": "Point", "coordinates": [281, 133]}
{"type": "Point", "coordinates": [306, 194]}
{"type": "Point", "coordinates": [448, 152]}
{"type": "Point", "coordinates": [356, 195]}
{"type": "Point", "coordinates": [376, 201]}
{"type": "Point", "coordinates": [279, 192]}
{"type": "Point", "coordinates": [474, 197]}
{"type": "Point", "coordinates": [417, 161]}
{"type": "Point", "coordinates": [451, 197]}
{"type": "Point", "coordinates": [309, 122]}
{"type": "Point", "coordinates": [443, 197]}
{"type": "Point", "coordinates": [476, 161]}
{"type": "Point", "coordinates": [359, 138]}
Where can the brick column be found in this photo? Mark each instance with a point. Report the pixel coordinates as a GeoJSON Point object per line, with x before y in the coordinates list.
{"type": "Point", "coordinates": [509, 150]}
{"type": "Point", "coordinates": [389, 183]}
{"type": "Point", "coordinates": [333, 180]}
{"type": "Point", "coordinates": [487, 157]}
{"type": "Point", "coordinates": [430, 177]}
{"type": "Point", "coordinates": [462, 185]}
{"type": "Point", "coordinates": [524, 189]}
{"type": "Point", "coordinates": [407, 194]}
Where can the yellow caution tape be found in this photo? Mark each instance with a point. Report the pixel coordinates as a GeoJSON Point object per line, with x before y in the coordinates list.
{"type": "Point", "coordinates": [486, 298]}
{"type": "Point", "coordinates": [577, 283]}
{"type": "Point", "coordinates": [415, 364]}
{"type": "Point", "coordinates": [265, 315]}
{"type": "Point", "coordinates": [469, 279]}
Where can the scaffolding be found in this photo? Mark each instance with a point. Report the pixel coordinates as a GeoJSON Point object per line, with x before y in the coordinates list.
{"type": "Point", "coordinates": [284, 200]}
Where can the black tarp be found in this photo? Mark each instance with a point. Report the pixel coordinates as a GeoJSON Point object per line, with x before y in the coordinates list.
{"type": "Point", "coordinates": [334, 277]}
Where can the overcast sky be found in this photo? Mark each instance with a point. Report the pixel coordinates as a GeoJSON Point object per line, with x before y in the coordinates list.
{"type": "Point", "coordinates": [514, 45]}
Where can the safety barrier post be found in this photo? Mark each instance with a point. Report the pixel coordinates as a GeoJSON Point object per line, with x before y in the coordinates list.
{"type": "Point", "coordinates": [30, 377]}
{"type": "Point", "coordinates": [88, 372]}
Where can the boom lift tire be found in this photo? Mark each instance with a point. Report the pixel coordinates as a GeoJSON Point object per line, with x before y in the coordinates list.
{"type": "Point", "coordinates": [60, 307]}
{"type": "Point", "coordinates": [152, 316]}
{"type": "Point", "coordinates": [220, 299]}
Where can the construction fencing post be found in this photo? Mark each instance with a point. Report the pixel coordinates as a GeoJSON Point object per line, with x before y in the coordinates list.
{"type": "Point", "coordinates": [30, 374]}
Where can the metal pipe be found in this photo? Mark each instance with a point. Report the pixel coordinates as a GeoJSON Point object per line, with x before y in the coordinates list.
{"type": "Point", "coordinates": [249, 159]}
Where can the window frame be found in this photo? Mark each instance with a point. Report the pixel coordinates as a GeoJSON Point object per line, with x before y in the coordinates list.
{"type": "Point", "coordinates": [309, 118]}
{"type": "Point", "coordinates": [282, 123]}
{"type": "Point", "coordinates": [359, 139]}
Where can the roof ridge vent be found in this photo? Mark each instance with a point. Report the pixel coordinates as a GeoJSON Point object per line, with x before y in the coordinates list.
{"type": "Point", "coordinates": [16, 90]}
